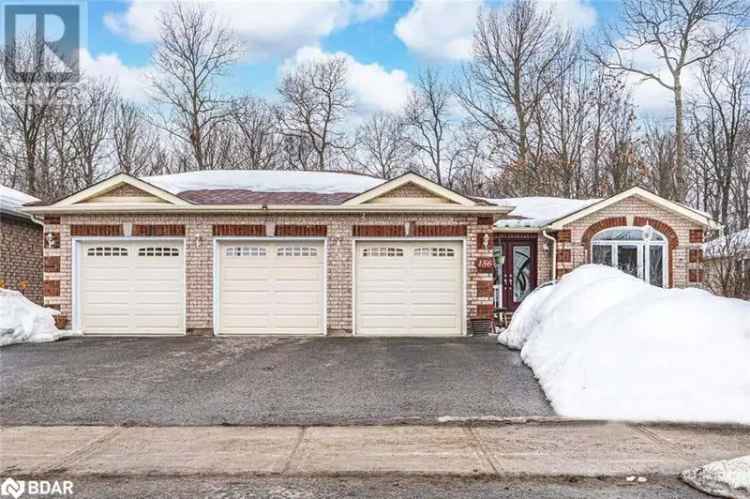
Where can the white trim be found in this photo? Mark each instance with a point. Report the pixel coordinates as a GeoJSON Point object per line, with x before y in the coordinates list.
{"type": "Point", "coordinates": [428, 185]}
{"type": "Point", "coordinates": [646, 196]}
{"type": "Point", "coordinates": [165, 208]}
{"type": "Point", "coordinates": [216, 287]}
{"type": "Point", "coordinates": [75, 281]}
{"type": "Point", "coordinates": [113, 183]}
{"type": "Point", "coordinates": [464, 272]}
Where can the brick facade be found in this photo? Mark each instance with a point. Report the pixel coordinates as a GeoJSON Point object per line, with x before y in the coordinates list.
{"type": "Point", "coordinates": [683, 236]}
{"type": "Point", "coordinates": [340, 230]}
{"type": "Point", "coordinates": [21, 257]}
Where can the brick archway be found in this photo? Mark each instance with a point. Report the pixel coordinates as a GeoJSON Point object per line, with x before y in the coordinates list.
{"type": "Point", "coordinates": [609, 223]}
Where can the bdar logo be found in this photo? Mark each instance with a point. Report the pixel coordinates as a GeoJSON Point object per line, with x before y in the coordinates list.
{"type": "Point", "coordinates": [12, 487]}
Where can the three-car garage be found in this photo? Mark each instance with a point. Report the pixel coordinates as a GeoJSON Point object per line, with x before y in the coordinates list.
{"type": "Point", "coordinates": [272, 287]}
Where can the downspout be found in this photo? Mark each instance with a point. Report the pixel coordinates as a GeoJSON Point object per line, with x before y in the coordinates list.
{"type": "Point", "coordinates": [554, 253]}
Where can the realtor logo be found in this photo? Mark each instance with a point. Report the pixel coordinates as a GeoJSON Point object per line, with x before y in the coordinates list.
{"type": "Point", "coordinates": [12, 487]}
{"type": "Point", "coordinates": [42, 42]}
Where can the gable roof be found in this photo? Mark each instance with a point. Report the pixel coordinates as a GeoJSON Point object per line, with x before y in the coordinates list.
{"type": "Point", "coordinates": [260, 190]}
{"type": "Point", "coordinates": [411, 178]}
{"type": "Point", "coordinates": [696, 216]}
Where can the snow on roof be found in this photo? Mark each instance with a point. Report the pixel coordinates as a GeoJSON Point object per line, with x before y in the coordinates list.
{"type": "Point", "coordinates": [265, 181]}
{"type": "Point", "coordinates": [536, 212]}
{"type": "Point", "coordinates": [738, 241]}
{"type": "Point", "coordinates": [11, 200]}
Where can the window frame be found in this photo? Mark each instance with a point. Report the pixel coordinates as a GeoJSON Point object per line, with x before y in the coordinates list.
{"type": "Point", "coordinates": [120, 250]}
{"type": "Point", "coordinates": [643, 249]}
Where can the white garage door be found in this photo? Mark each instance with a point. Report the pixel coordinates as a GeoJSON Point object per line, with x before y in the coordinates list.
{"type": "Point", "coordinates": [271, 287]}
{"type": "Point", "coordinates": [132, 287]}
{"type": "Point", "coordinates": [409, 288]}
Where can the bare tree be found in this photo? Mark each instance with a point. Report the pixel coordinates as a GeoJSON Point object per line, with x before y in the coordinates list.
{"type": "Point", "coordinates": [720, 120]}
{"type": "Point", "coordinates": [658, 153]}
{"type": "Point", "coordinates": [26, 106]}
{"type": "Point", "coordinates": [93, 125]}
{"type": "Point", "coordinates": [428, 117]}
{"type": "Point", "coordinates": [315, 99]}
{"type": "Point", "coordinates": [515, 51]}
{"type": "Point", "coordinates": [135, 140]}
{"type": "Point", "coordinates": [727, 265]}
{"type": "Point", "coordinates": [260, 140]}
{"type": "Point", "coordinates": [383, 146]}
{"type": "Point", "coordinates": [193, 51]}
{"type": "Point", "coordinates": [679, 33]}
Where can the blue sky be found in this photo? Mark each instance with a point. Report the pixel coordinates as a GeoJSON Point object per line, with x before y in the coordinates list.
{"type": "Point", "coordinates": [386, 42]}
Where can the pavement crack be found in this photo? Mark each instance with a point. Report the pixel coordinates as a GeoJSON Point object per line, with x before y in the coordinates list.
{"type": "Point", "coordinates": [85, 451]}
{"type": "Point", "coordinates": [297, 443]}
{"type": "Point", "coordinates": [474, 438]}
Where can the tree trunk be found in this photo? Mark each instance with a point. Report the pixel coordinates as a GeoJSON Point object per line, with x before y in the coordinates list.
{"type": "Point", "coordinates": [680, 181]}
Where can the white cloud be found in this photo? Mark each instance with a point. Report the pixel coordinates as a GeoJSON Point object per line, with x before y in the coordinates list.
{"type": "Point", "coordinates": [132, 82]}
{"type": "Point", "coordinates": [439, 29]}
{"type": "Point", "coordinates": [373, 87]}
{"type": "Point", "coordinates": [267, 27]}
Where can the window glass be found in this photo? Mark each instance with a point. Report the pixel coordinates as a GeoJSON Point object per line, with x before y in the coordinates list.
{"type": "Point", "coordinates": [158, 251]}
{"type": "Point", "coordinates": [107, 251]}
{"type": "Point", "coordinates": [656, 265]}
{"type": "Point", "coordinates": [296, 251]}
{"type": "Point", "coordinates": [602, 254]}
{"type": "Point", "coordinates": [444, 252]}
{"type": "Point", "coordinates": [383, 251]}
{"type": "Point", "coordinates": [628, 234]}
{"type": "Point", "coordinates": [521, 272]}
{"type": "Point", "coordinates": [245, 251]}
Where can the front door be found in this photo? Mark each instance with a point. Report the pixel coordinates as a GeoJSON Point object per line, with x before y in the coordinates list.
{"type": "Point", "coordinates": [515, 278]}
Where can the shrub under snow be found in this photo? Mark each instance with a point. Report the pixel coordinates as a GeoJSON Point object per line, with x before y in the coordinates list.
{"type": "Point", "coordinates": [604, 344]}
{"type": "Point", "coordinates": [22, 320]}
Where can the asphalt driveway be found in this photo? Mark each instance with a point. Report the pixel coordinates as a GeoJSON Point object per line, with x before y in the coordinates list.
{"type": "Point", "coordinates": [308, 381]}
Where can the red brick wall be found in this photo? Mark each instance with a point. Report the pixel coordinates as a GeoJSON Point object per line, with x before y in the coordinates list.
{"type": "Point", "coordinates": [378, 231]}
{"type": "Point", "coordinates": [158, 230]}
{"type": "Point", "coordinates": [301, 230]}
{"type": "Point", "coordinates": [239, 230]}
{"type": "Point", "coordinates": [21, 257]}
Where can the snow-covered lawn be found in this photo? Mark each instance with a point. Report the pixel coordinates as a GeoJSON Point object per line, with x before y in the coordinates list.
{"type": "Point", "coordinates": [21, 320]}
{"type": "Point", "coordinates": [606, 345]}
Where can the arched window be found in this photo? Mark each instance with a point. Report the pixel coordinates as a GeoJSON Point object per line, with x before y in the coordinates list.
{"type": "Point", "coordinates": [639, 251]}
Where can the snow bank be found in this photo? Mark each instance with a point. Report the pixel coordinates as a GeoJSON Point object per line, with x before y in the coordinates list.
{"type": "Point", "coordinates": [265, 181]}
{"type": "Point", "coordinates": [606, 345]}
{"type": "Point", "coordinates": [21, 320]}
{"type": "Point", "coordinates": [524, 322]}
{"type": "Point", "coordinates": [539, 211]}
{"type": "Point", "coordinates": [730, 478]}
{"type": "Point", "coordinates": [11, 200]}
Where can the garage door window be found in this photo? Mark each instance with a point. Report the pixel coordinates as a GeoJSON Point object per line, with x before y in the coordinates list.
{"type": "Point", "coordinates": [443, 252]}
{"type": "Point", "coordinates": [107, 251]}
{"type": "Point", "coordinates": [158, 251]}
{"type": "Point", "coordinates": [296, 251]}
{"type": "Point", "coordinates": [384, 251]}
{"type": "Point", "coordinates": [245, 251]}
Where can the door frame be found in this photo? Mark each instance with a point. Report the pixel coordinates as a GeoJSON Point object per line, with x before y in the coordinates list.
{"type": "Point", "coordinates": [503, 238]}
{"type": "Point", "coordinates": [75, 284]}
{"type": "Point", "coordinates": [216, 285]}
{"type": "Point", "coordinates": [464, 278]}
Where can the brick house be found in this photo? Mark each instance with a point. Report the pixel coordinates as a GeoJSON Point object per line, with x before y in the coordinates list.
{"type": "Point", "coordinates": [262, 252]}
{"type": "Point", "coordinates": [637, 231]}
{"type": "Point", "coordinates": [20, 246]}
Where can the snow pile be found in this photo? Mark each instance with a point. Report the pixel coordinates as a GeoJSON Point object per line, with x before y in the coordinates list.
{"type": "Point", "coordinates": [21, 320]}
{"type": "Point", "coordinates": [729, 478]}
{"type": "Point", "coordinates": [11, 200]}
{"type": "Point", "coordinates": [604, 344]}
{"type": "Point", "coordinates": [265, 181]}
{"type": "Point", "coordinates": [539, 211]}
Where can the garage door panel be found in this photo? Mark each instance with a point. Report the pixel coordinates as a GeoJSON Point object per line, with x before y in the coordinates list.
{"type": "Point", "coordinates": [130, 293]}
{"type": "Point", "coordinates": [281, 293]}
{"type": "Point", "coordinates": [419, 293]}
